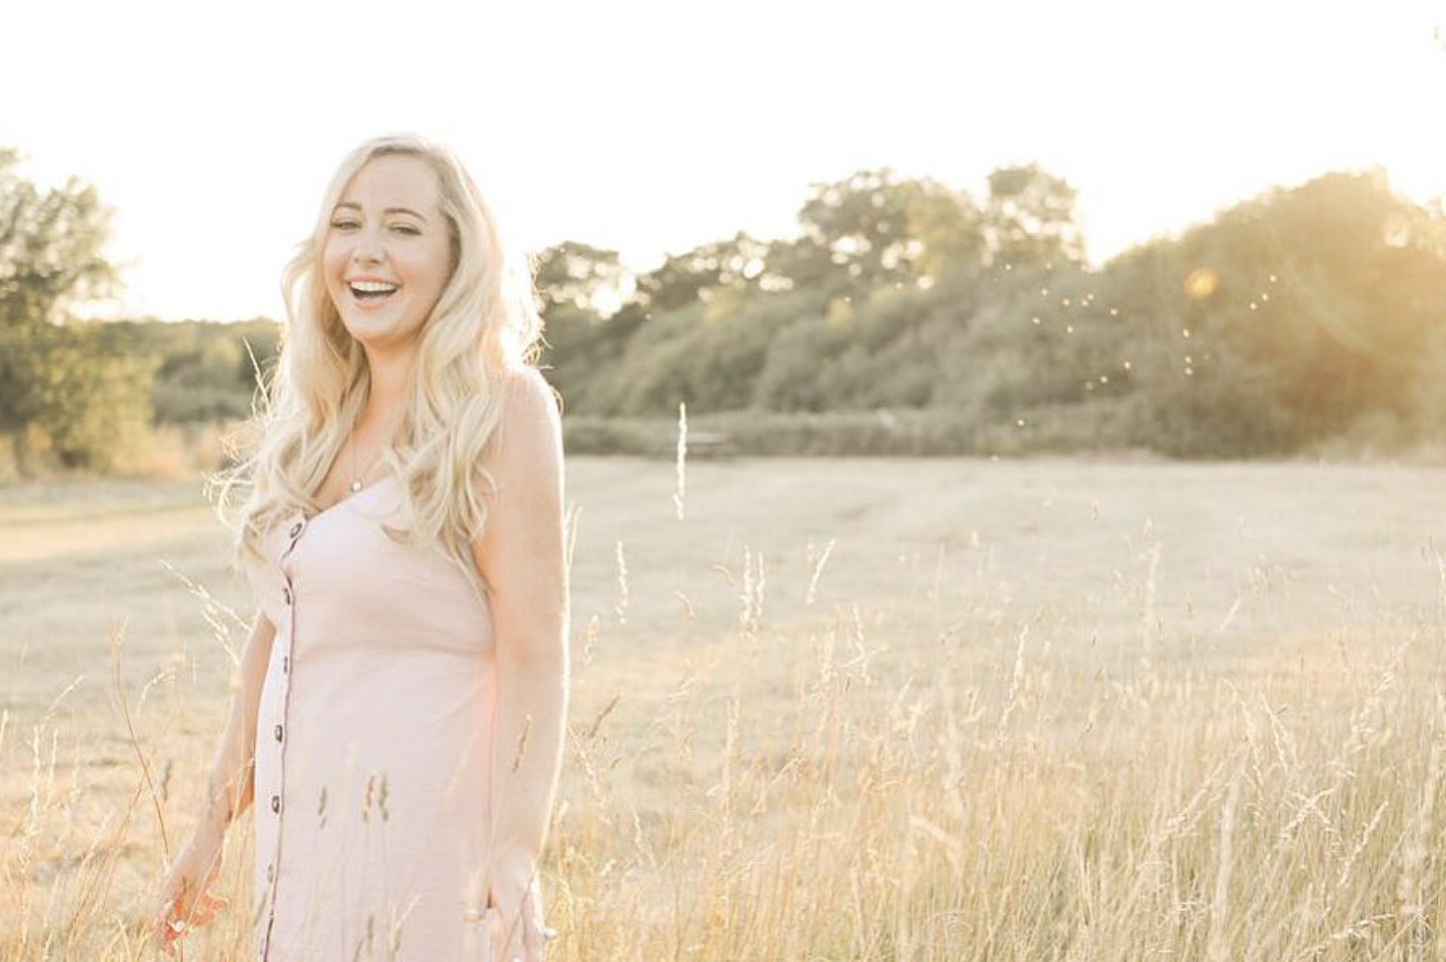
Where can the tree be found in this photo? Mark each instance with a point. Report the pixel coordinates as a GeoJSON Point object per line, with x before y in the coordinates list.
{"type": "Point", "coordinates": [1332, 286]}
{"type": "Point", "coordinates": [1030, 219]}
{"type": "Point", "coordinates": [50, 247]}
{"type": "Point", "coordinates": [581, 276]}
{"type": "Point", "coordinates": [875, 229]}
{"type": "Point", "coordinates": [59, 388]}
{"type": "Point", "coordinates": [739, 263]}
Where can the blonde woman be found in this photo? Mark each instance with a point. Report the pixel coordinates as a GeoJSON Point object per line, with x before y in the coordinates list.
{"type": "Point", "coordinates": [397, 727]}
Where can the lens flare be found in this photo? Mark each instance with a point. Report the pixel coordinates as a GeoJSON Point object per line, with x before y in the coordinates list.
{"type": "Point", "coordinates": [1201, 283]}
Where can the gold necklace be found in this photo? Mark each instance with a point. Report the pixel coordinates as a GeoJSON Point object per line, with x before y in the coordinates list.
{"type": "Point", "coordinates": [356, 480]}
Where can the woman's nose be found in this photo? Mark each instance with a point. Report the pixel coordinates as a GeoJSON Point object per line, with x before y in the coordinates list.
{"type": "Point", "coordinates": [367, 251]}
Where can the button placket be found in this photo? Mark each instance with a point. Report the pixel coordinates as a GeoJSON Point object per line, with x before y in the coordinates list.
{"type": "Point", "coordinates": [286, 636]}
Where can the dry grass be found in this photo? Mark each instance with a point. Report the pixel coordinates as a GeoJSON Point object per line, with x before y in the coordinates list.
{"type": "Point", "coordinates": [841, 710]}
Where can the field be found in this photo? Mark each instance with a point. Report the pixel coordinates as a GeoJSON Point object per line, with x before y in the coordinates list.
{"type": "Point", "coordinates": [843, 709]}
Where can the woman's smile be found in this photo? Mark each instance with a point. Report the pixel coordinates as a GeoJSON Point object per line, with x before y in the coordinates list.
{"type": "Point", "coordinates": [387, 254]}
{"type": "Point", "coordinates": [370, 293]}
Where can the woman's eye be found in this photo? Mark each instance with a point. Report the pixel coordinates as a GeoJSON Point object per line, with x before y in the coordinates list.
{"type": "Point", "coordinates": [406, 229]}
{"type": "Point", "coordinates": [344, 224]}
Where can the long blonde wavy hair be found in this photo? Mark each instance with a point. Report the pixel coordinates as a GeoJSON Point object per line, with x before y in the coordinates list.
{"type": "Point", "coordinates": [483, 330]}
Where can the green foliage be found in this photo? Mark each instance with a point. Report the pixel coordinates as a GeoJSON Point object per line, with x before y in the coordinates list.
{"type": "Point", "coordinates": [903, 317]}
{"type": "Point", "coordinates": [578, 276]}
{"type": "Point", "coordinates": [655, 365]}
{"type": "Point", "coordinates": [878, 230]}
{"type": "Point", "coordinates": [788, 378]}
{"type": "Point", "coordinates": [1333, 287]}
{"type": "Point", "coordinates": [1029, 220]}
{"type": "Point", "coordinates": [95, 406]}
{"type": "Point", "coordinates": [206, 371]}
{"type": "Point", "coordinates": [75, 402]}
{"type": "Point", "coordinates": [593, 346]}
{"type": "Point", "coordinates": [50, 247]}
{"type": "Point", "coordinates": [1285, 320]}
{"type": "Point", "coordinates": [63, 393]}
{"type": "Point", "coordinates": [738, 264]}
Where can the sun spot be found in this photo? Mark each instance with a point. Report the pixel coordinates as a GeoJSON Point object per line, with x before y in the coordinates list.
{"type": "Point", "coordinates": [1201, 283]}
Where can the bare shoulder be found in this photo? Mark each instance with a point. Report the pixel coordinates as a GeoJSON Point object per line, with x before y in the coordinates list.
{"type": "Point", "coordinates": [520, 553]}
{"type": "Point", "coordinates": [528, 445]}
{"type": "Point", "coordinates": [528, 393]}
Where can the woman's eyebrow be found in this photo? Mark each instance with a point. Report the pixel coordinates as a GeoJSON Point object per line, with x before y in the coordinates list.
{"type": "Point", "coordinates": [389, 210]}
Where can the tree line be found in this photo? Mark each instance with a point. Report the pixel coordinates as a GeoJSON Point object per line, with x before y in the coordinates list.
{"type": "Point", "coordinates": [1299, 315]}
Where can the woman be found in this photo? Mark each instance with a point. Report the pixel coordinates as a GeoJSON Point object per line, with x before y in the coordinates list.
{"type": "Point", "coordinates": [402, 696]}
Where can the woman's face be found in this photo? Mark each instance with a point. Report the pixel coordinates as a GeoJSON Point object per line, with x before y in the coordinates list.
{"type": "Point", "coordinates": [387, 254]}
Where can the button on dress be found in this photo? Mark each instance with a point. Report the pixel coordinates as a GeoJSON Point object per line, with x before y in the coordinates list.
{"type": "Point", "coordinates": [374, 743]}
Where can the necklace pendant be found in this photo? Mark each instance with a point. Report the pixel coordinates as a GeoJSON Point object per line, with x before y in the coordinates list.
{"type": "Point", "coordinates": [356, 486]}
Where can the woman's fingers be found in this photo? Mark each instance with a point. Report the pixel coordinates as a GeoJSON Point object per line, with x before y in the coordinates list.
{"type": "Point", "coordinates": [203, 910]}
{"type": "Point", "coordinates": [162, 924]}
{"type": "Point", "coordinates": [165, 937]}
{"type": "Point", "coordinates": [208, 905]}
{"type": "Point", "coordinates": [179, 916]}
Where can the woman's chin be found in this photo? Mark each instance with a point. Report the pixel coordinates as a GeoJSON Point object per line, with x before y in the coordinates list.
{"type": "Point", "coordinates": [373, 331]}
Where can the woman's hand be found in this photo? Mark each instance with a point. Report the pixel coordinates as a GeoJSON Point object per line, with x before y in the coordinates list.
{"type": "Point", "coordinates": [185, 900]}
{"type": "Point", "coordinates": [514, 905]}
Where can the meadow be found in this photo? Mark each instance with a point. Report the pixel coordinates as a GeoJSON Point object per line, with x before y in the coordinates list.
{"type": "Point", "coordinates": [874, 709]}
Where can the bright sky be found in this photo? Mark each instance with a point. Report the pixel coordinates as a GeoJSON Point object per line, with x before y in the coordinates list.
{"type": "Point", "coordinates": [655, 127]}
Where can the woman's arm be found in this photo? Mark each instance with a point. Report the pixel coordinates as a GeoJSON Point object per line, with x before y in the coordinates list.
{"type": "Point", "coordinates": [521, 556]}
{"type": "Point", "coordinates": [184, 898]}
{"type": "Point", "coordinates": [229, 786]}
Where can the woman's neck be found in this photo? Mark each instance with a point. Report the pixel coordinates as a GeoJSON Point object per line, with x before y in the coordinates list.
{"type": "Point", "coordinates": [386, 394]}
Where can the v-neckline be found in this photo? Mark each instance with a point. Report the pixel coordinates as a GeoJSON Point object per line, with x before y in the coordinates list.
{"type": "Point", "coordinates": [349, 498]}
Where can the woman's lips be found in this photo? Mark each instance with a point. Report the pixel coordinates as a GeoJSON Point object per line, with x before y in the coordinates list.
{"type": "Point", "coordinates": [370, 299]}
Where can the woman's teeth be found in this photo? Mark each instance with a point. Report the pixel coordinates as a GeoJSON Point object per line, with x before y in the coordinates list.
{"type": "Point", "coordinates": [371, 290]}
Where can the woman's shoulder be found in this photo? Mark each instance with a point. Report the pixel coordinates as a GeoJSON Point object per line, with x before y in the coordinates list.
{"type": "Point", "coordinates": [528, 434]}
{"type": "Point", "coordinates": [530, 405]}
{"type": "Point", "coordinates": [526, 387]}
